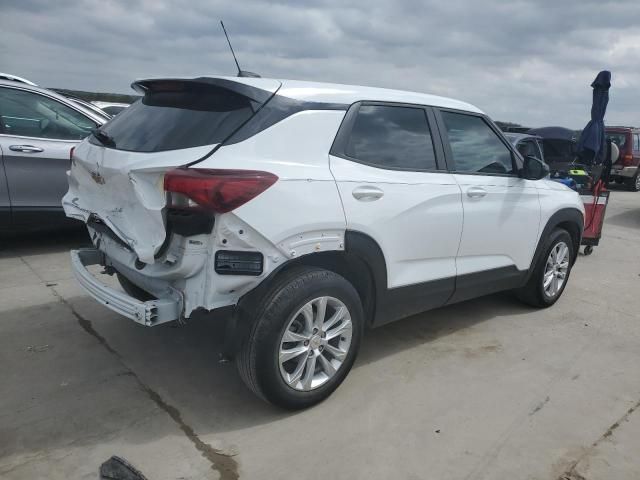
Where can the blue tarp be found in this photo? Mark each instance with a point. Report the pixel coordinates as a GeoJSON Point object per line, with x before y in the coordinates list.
{"type": "Point", "coordinates": [591, 145]}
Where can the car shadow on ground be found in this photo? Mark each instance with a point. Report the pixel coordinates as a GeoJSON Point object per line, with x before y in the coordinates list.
{"type": "Point", "coordinates": [44, 242]}
{"type": "Point", "coordinates": [628, 219]}
{"type": "Point", "coordinates": [182, 363]}
{"type": "Point", "coordinates": [80, 392]}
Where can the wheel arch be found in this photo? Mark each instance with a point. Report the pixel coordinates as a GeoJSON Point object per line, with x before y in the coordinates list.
{"type": "Point", "coordinates": [569, 219]}
{"type": "Point", "coordinates": [361, 262]}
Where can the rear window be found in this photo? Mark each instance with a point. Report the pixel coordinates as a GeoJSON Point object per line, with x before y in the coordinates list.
{"type": "Point", "coordinates": [560, 150]}
{"type": "Point", "coordinates": [191, 115]}
{"type": "Point", "coordinates": [113, 110]}
{"type": "Point", "coordinates": [620, 139]}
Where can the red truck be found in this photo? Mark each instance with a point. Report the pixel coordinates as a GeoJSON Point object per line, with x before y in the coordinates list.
{"type": "Point", "coordinates": [626, 170]}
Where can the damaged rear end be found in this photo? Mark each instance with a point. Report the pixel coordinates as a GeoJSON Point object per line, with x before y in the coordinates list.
{"type": "Point", "coordinates": [149, 209]}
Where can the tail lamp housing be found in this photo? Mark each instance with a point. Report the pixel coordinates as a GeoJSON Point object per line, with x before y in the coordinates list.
{"type": "Point", "coordinates": [219, 191]}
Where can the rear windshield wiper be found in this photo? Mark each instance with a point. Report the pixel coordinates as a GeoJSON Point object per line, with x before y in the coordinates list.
{"type": "Point", "coordinates": [103, 138]}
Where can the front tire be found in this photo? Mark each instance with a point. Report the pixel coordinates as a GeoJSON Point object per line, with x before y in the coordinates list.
{"type": "Point", "coordinates": [304, 337]}
{"type": "Point", "coordinates": [633, 183]}
{"type": "Point", "coordinates": [551, 272]}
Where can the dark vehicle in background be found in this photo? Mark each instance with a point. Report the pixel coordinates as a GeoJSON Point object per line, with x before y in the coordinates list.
{"type": "Point", "coordinates": [527, 145]}
{"type": "Point", "coordinates": [626, 170]}
{"type": "Point", "coordinates": [38, 128]}
{"type": "Point", "coordinates": [559, 146]}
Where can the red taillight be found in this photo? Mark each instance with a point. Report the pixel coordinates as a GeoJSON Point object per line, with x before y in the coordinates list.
{"type": "Point", "coordinates": [627, 159]}
{"type": "Point", "coordinates": [218, 190]}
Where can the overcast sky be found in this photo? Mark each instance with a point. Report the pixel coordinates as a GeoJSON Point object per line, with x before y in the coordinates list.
{"type": "Point", "coordinates": [525, 61]}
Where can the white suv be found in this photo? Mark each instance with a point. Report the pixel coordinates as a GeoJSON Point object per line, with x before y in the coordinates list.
{"type": "Point", "coordinates": [306, 212]}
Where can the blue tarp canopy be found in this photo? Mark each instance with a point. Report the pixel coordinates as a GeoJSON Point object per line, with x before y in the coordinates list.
{"type": "Point", "coordinates": [591, 145]}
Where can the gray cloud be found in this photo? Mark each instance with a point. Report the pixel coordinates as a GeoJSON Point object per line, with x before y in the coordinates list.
{"type": "Point", "coordinates": [525, 61]}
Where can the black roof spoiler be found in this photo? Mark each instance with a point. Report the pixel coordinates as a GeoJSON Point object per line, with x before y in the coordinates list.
{"type": "Point", "coordinates": [171, 84]}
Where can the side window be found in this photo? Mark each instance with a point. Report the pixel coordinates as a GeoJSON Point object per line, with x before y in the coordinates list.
{"type": "Point", "coordinates": [540, 148]}
{"type": "Point", "coordinates": [533, 149]}
{"type": "Point", "coordinates": [636, 142]}
{"type": "Point", "coordinates": [475, 146]}
{"type": "Point", "coordinates": [29, 114]}
{"type": "Point", "coordinates": [528, 148]}
{"type": "Point", "coordinates": [392, 137]}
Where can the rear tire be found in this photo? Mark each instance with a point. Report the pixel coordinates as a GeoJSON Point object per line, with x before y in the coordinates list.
{"type": "Point", "coordinates": [544, 287]}
{"type": "Point", "coordinates": [321, 354]}
{"type": "Point", "coordinates": [132, 289]}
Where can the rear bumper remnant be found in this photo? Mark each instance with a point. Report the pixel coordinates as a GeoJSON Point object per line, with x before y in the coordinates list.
{"type": "Point", "coordinates": [150, 313]}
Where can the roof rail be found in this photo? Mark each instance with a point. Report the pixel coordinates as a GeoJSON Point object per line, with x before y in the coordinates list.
{"type": "Point", "coordinates": [15, 78]}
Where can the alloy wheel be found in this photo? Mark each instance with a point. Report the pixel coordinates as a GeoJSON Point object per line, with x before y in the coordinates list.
{"type": "Point", "coordinates": [556, 270]}
{"type": "Point", "coordinates": [315, 343]}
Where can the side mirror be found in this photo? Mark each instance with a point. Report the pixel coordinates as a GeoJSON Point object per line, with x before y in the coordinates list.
{"type": "Point", "coordinates": [534, 169]}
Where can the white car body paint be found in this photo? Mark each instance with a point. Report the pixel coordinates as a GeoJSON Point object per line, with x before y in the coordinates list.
{"type": "Point", "coordinates": [125, 190]}
{"type": "Point", "coordinates": [427, 227]}
{"type": "Point", "coordinates": [500, 229]}
{"type": "Point", "coordinates": [348, 94]}
{"type": "Point", "coordinates": [417, 222]}
{"type": "Point", "coordinates": [555, 196]}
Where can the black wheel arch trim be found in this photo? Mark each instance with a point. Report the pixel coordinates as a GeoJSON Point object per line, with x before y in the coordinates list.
{"type": "Point", "coordinates": [390, 304]}
{"type": "Point", "coordinates": [562, 217]}
{"type": "Point", "coordinates": [358, 247]}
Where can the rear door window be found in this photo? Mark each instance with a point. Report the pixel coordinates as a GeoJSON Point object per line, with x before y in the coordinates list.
{"type": "Point", "coordinates": [475, 147]}
{"type": "Point", "coordinates": [392, 137]}
{"type": "Point", "coordinates": [636, 142]}
{"type": "Point", "coordinates": [179, 117]}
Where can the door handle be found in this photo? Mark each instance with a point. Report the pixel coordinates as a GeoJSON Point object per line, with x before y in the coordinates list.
{"type": "Point", "coordinates": [367, 193]}
{"type": "Point", "coordinates": [26, 148]}
{"type": "Point", "coordinates": [476, 192]}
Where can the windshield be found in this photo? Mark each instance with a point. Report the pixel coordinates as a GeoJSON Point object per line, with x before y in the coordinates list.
{"type": "Point", "coordinates": [183, 116]}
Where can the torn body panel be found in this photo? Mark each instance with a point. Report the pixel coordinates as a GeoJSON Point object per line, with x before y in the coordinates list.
{"type": "Point", "coordinates": [187, 267]}
{"type": "Point", "coordinates": [300, 214]}
{"type": "Point", "coordinates": [125, 190]}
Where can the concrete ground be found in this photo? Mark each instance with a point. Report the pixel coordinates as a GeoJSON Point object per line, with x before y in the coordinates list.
{"type": "Point", "coordinates": [488, 389]}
